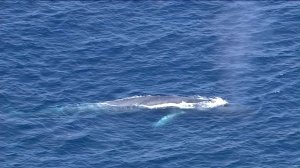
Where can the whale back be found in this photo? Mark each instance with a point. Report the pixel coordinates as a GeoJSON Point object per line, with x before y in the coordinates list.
{"type": "Point", "coordinates": [152, 100]}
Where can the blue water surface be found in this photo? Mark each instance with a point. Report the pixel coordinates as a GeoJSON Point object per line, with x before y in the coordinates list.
{"type": "Point", "coordinates": [59, 58]}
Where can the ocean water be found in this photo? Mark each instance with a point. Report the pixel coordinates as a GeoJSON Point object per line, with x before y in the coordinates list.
{"type": "Point", "coordinates": [60, 61]}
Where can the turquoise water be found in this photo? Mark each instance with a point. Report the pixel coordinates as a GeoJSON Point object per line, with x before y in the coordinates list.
{"type": "Point", "coordinates": [60, 61]}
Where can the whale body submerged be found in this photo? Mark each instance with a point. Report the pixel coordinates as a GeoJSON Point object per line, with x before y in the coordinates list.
{"type": "Point", "coordinates": [163, 102]}
{"type": "Point", "coordinates": [174, 105]}
{"type": "Point", "coordinates": [154, 102]}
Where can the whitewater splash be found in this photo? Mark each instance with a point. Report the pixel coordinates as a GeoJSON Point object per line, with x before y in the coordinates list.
{"type": "Point", "coordinates": [158, 102]}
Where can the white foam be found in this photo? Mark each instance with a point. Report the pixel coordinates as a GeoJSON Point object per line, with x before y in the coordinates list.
{"type": "Point", "coordinates": [201, 98]}
{"type": "Point", "coordinates": [208, 103]}
{"type": "Point", "coordinates": [182, 105]}
{"type": "Point", "coordinates": [213, 102]}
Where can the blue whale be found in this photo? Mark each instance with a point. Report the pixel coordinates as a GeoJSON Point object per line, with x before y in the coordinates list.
{"type": "Point", "coordinates": [180, 102]}
{"type": "Point", "coordinates": [157, 102]}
